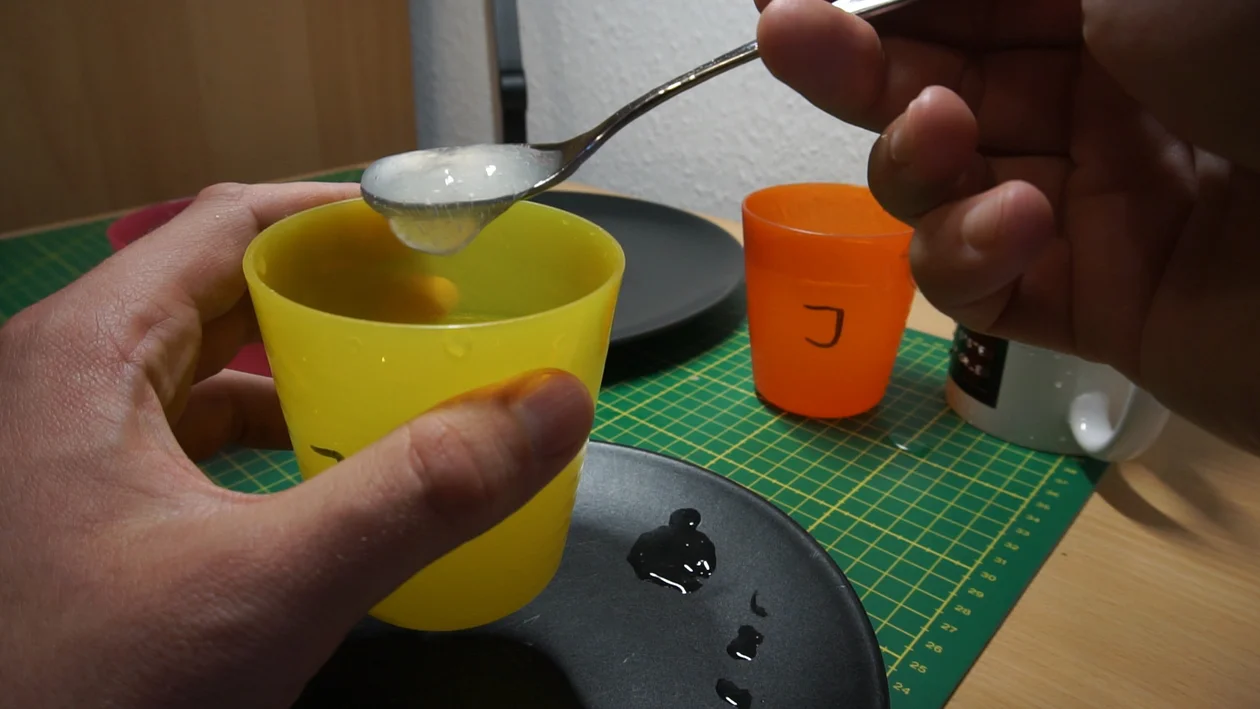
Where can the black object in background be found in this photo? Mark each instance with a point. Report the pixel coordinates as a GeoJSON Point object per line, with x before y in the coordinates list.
{"type": "Point", "coordinates": [513, 92]}
{"type": "Point", "coordinates": [976, 364]}
{"type": "Point", "coordinates": [679, 266]}
{"type": "Point", "coordinates": [598, 637]}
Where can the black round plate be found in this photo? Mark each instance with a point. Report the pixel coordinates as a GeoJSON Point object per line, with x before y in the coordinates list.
{"type": "Point", "coordinates": [598, 637]}
{"type": "Point", "coordinates": [678, 265]}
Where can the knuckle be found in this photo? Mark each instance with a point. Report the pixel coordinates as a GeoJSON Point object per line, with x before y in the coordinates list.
{"type": "Point", "coordinates": [223, 192]}
{"type": "Point", "coordinates": [464, 463]}
{"type": "Point", "coordinates": [444, 453]}
{"type": "Point", "coordinates": [149, 343]}
{"type": "Point", "coordinates": [235, 203]}
{"type": "Point", "coordinates": [153, 325]}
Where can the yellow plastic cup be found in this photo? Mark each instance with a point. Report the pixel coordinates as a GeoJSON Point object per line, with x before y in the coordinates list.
{"type": "Point", "coordinates": [354, 328]}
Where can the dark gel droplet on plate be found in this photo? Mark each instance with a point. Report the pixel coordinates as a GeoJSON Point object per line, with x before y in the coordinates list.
{"type": "Point", "coordinates": [755, 608]}
{"type": "Point", "coordinates": [744, 646]}
{"type": "Point", "coordinates": [736, 697]}
{"type": "Point", "coordinates": [676, 555]}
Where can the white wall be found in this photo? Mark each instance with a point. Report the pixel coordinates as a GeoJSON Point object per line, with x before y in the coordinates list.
{"type": "Point", "coordinates": [451, 73]}
{"type": "Point", "coordinates": [703, 150]}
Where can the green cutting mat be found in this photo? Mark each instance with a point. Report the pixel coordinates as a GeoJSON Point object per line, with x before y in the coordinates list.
{"type": "Point", "coordinates": [939, 527]}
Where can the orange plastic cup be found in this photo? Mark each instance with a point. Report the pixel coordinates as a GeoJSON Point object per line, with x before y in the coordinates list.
{"type": "Point", "coordinates": [829, 290]}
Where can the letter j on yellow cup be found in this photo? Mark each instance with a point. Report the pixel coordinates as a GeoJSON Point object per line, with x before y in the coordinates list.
{"type": "Point", "coordinates": [364, 334]}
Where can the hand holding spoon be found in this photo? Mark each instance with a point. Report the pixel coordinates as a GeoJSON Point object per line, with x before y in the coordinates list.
{"type": "Point", "coordinates": [438, 200]}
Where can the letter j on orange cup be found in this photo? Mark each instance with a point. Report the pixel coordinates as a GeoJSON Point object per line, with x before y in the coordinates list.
{"type": "Point", "coordinates": [829, 291]}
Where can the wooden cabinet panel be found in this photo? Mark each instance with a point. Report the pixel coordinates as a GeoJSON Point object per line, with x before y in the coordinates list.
{"type": "Point", "coordinates": [109, 105]}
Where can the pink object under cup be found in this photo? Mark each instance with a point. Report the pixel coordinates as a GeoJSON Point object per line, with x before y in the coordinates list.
{"type": "Point", "coordinates": [252, 358]}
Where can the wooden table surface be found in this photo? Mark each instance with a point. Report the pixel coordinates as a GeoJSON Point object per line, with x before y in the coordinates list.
{"type": "Point", "coordinates": [1151, 601]}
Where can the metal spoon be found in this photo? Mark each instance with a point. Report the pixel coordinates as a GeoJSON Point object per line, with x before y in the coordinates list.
{"type": "Point", "coordinates": [439, 199]}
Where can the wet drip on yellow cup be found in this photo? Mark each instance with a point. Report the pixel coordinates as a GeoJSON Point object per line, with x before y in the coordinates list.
{"type": "Point", "coordinates": [363, 334]}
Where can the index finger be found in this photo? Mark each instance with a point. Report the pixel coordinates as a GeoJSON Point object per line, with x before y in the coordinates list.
{"type": "Point", "coordinates": [196, 257]}
{"type": "Point", "coordinates": [981, 24]}
{"type": "Point", "coordinates": [1010, 67]}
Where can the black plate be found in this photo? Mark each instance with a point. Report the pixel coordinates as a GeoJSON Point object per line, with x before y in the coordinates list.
{"type": "Point", "coordinates": [599, 637]}
{"type": "Point", "coordinates": [678, 265]}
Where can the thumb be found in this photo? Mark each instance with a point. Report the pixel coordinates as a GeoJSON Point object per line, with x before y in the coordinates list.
{"type": "Point", "coordinates": [348, 537]}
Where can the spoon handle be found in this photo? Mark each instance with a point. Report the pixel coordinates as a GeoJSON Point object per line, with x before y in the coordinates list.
{"type": "Point", "coordinates": [736, 57]}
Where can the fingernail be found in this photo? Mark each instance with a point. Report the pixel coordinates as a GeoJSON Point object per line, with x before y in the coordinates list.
{"type": "Point", "coordinates": [898, 143]}
{"type": "Point", "coordinates": [980, 225]}
{"type": "Point", "coordinates": [557, 412]}
{"type": "Point", "coordinates": [900, 137]}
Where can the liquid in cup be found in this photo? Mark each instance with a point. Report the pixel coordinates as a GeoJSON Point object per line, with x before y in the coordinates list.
{"type": "Point", "coordinates": [364, 333]}
{"type": "Point", "coordinates": [829, 290]}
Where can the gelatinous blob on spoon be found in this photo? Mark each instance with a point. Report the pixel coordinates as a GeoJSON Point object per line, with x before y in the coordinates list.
{"type": "Point", "coordinates": [438, 200]}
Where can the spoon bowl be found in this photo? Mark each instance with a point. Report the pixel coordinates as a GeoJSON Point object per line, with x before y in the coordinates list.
{"type": "Point", "coordinates": [437, 200]}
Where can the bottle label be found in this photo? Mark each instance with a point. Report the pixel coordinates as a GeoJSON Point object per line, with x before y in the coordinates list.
{"type": "Point", "coordinates": [975, 364]}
